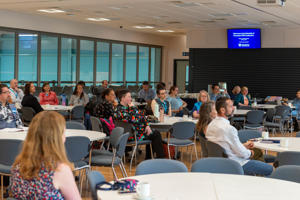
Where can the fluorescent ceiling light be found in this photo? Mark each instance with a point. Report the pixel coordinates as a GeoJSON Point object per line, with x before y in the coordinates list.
{"type": "Point", "coordinates": [98, 19]}
{"type": "Point", "coordinates": [165, 31]}
{"type": "Point", "coordinates": [143, 27]}
{"type": "Point", "coordinates": [52, 10]}
{"type": "Point", "coordinates": [27, 35]}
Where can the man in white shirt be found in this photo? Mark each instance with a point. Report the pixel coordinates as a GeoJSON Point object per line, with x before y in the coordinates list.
{"type": "Point", "coordinates": [16, 94]}
{"type": "Point", "coordinates": [222, 133]}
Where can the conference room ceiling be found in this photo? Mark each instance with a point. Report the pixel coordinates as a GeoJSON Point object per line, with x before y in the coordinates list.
{"type": "Point", "coordinates": [179, 16]}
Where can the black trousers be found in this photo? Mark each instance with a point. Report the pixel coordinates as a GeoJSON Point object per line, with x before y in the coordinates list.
{"type": "Point", "coordinates": [157, 145]}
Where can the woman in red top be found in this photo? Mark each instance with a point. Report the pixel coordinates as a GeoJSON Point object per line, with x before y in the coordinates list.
{"type": "Point", "coordinates": [47, 96]}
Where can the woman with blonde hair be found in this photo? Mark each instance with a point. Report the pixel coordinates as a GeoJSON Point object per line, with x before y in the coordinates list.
{"type": "Point", "coordinates": [42, 169]}
{"type": "Point", "coordinates": [207, 114]}
{"type": "Point", "coordinates": [202, 98]}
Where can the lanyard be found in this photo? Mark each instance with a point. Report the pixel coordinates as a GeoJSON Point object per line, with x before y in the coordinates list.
{"type": "Point", "coordinates": [15, 93]}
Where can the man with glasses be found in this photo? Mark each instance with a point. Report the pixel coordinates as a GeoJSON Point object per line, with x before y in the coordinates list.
{"type": "Point", "coordinates": [217, 93]}
{"type": "Point", "coordinates": [160, 106]}
{"type": "Point", "coordinates": [9, 116]}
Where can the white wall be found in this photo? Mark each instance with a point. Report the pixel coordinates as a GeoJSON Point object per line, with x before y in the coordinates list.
{"type": "Point", "coordinates": [270, 38]}
{"type": "Point", "coordinates": [172, 45]}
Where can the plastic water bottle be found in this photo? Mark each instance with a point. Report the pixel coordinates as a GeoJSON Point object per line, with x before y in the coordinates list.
{"type": "Point", "coordinates": [63, 99]}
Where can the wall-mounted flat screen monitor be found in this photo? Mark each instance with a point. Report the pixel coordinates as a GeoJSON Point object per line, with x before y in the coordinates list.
{"type": "Point", "coordinates": [243, 38]}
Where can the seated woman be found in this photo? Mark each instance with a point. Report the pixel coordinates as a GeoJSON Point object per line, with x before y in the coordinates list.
{"type": "Point", "coordinates": [202, 98]}
{"type": "Point", "coordinates": [160, 106]}
{"type": "Point", "coordinates": [79, 97]}
{"type": "Point", "coordinates": [47, 96]}
{"type": "Point", "coordinates": [242, 99]}
{"type": "Point", "coordinates": [177, 104]}
{"type": "Point", "coordinates": [42, 169]}
{"type": "Point", "coordinates": [128, 113]}
{"type": "Point", "coordinates": [208, 113]}
{"type": "Point", "coordinates": [105, 110]}
{"type": "Point", "coordinates": [235, 91]}
{"type": "Point", "coordinates": [29, 100]}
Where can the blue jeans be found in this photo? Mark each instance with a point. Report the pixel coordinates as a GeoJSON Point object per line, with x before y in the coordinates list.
{"type": "Point", "coordinates": [255, 167]}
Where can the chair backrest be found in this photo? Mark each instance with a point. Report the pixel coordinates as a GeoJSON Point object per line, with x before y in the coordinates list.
{"type": "Point", "coordinates": [245, 135]}
{"type": "Point", "coordinates": [183, 130]}
{"type": "Point", "coordinates": [288, 158]}
{"type": "Point", "coordinates": [58, 90]}
{"type": "Point", "coordinates": [202, 141]}
{"type": "Point", "coordinates": [78, 112]}
{"type": "Point", "coordinates": [96, 124]}
{"type": "Point", "coordinates": [77, 147]}
{"type": "Point", "coordinates": [270, 114]}
{"type": "Point", "coordinates": [288, 173]}
{"type": "Point", "coordinates": [115, 136]}
{"type": "Point", "coordinates": [27, 113]}
{"type": "Point", "coordinates": [157, 166]}
{"type": "Point", "coordinates": [120, 151]}
{"type": "Point", "coordinates": [255, 117]}
{"type": "Point", "coordinates": [68, 90]}
{"type": "Point", "coordinates": [215, 150]}
{"type": "Point", "coordinates": [282, 111]}
{"type": "Point", "coordinates": [217, 165]}
{"type": "Point", "coordinates": [9, 149]}
{"type": "Point", "coordinates": [75, 125]}
{"type": "Point", "coordinates": [95, 177]}
{"type": "Point", "coordinates": [128, 127]}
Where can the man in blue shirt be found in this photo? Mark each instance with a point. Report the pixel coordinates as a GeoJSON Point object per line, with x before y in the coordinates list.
{"type": "Point", "coordinates": [9, 116]}
{"type": "Point", "coordinates": [147, 93]}
{"type": "Point", "coordinates": [216, 93]}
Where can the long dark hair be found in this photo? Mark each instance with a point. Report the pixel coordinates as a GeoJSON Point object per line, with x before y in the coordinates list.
{"type": "Point", "coordinates": [44, 85]}
{"type": "Point", "coordinates": [106, 93]}
{"type": "Point", "coordinates": [76, 88]}
{"type": "Point", "coordinates": [204, 118]}
{"type": "Point", "coordinates": [27, 88]}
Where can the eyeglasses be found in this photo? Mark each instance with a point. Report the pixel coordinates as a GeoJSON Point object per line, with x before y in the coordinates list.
{"type": "Point", "coordinates": [6, 92]}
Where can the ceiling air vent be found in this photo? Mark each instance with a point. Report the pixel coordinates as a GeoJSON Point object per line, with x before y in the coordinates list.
{"type": "Point", "coordinates": [271, 2]}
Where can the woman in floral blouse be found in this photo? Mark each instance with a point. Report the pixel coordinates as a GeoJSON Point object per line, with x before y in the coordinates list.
{"type": "Point", "coordinates": [128, 113]}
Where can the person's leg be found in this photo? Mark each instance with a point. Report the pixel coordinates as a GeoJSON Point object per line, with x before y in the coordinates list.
{"type": "Point", "coordinates": [255, 167]}
{"type": "Point", "coordinates": [157, 145]}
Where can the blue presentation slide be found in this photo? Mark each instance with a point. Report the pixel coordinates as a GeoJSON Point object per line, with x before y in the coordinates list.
{"type": "Point", "coordinates": [244, 38]}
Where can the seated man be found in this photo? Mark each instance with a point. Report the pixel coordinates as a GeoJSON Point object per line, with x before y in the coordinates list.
{"type": "Point", "coordinates": [222, 133]}
{"type": "Point", "coordinates": [98, 90]}
{"type": "Point", "coordinates": [9, 116]}
{"type": "Point", "coordinates": [16, 94]}
{"type": "Point", "coordinates": [216, 93]}
{"type": "Point", "coordinates": [147, 93]}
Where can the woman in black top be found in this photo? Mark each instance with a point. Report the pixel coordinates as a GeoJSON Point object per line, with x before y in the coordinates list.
{"type": "Point", "coordinates": [105, 110]}
{"type": "Point", "coordinates": [29, 100]}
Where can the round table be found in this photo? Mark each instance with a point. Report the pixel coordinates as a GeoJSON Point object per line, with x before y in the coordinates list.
{"type": "Point", "coordinates": [20, 134]}
{"type": "Point", "coordinates": [293, 144]}
{"type": "Point", "coordinates": [183, 186]}
{"type": "Point", "coordinates": [57, 107]}
{"type": "Point", "coordinates": [169, 121]}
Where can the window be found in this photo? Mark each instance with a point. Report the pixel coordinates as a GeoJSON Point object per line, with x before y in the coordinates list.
{"type": "Point", "coordinates": [102, 61]}
{"type": "Point", "coordinates": [131, 54]}
{"type": "Point", "coordinates": [28, 56]}
{"type": "Point", "coordinates": [155, 64]}
{"type": "Point", "coordinates": [7, 55]}
{"type": "Point", "coordinates": [86, 60]}
{"type": "Point", "coordinates": [68, 60]}
{"type": "Point", "coordinates": [143, 64]}
{"type": "Point", "coordinates": [117, 62]}
{"type": "Point", "coordinates": [49, 47]}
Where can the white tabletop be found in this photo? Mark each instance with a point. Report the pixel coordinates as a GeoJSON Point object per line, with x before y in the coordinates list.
{"type": "Point", "coordinates": [183, 186]}
{"type": "Point", "coordinates": [21, 134]}
{"type": "Point", "coordinates": [268, 106]}
{"type": "Point", "coordinates": [240, 112]}
{"type": "Point", "coordinates": [57, 107]}
{"type": "Point", "coordinates": [293, 144]}
{"type": "Point", "coordinates": [169, 121]}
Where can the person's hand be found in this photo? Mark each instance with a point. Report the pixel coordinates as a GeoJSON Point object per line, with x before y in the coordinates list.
{"type": "Point", "coordinates": [115, 103]}
{"type": "Point", "coordinates": [161, 110]}
{"type": "Point", "coordinates": [225, 91]}
{"type": "Point", "coordinates": [180, 108]}
{"type": "Point", "coordinates": [148, 130]}
{"type": "Point", "coordinates": [249, 145]}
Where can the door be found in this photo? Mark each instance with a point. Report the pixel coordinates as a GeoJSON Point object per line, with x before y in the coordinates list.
{"type": "Point", "coordinates": [181, 74]}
